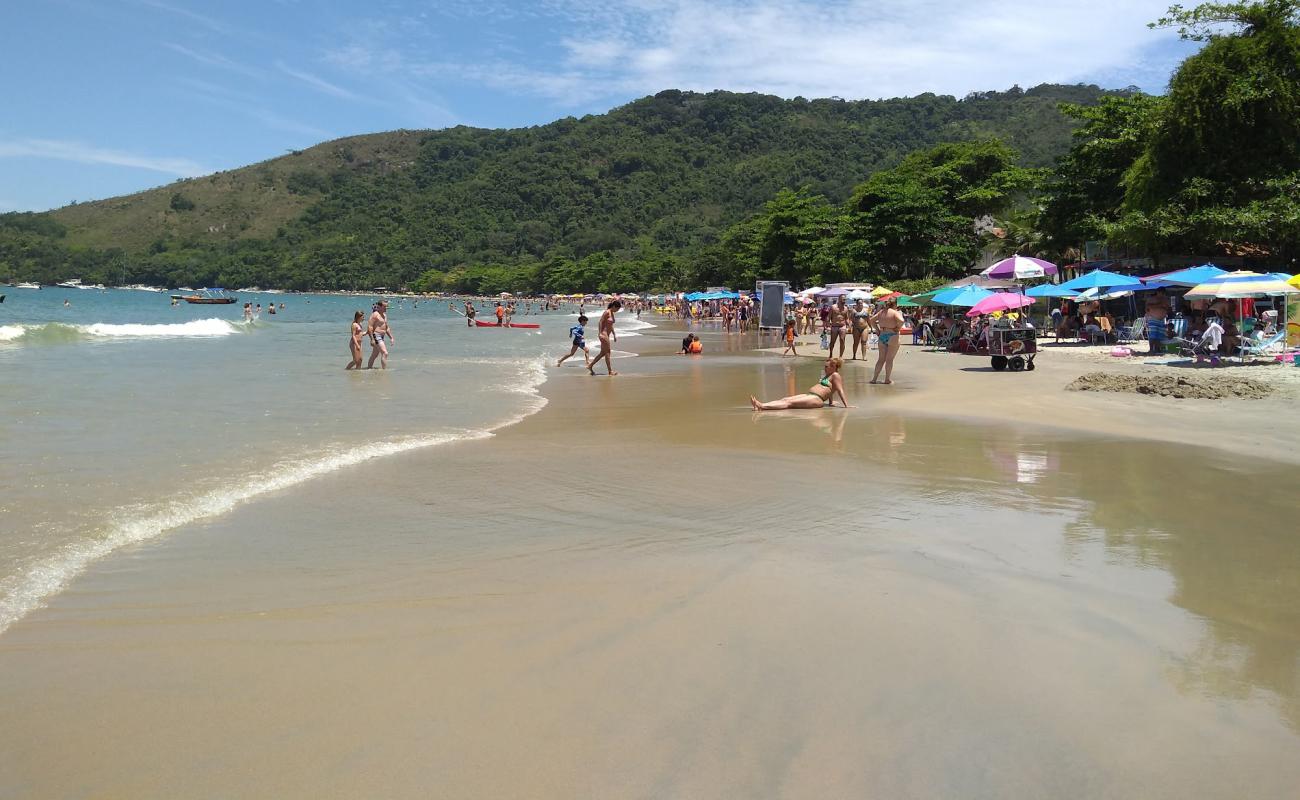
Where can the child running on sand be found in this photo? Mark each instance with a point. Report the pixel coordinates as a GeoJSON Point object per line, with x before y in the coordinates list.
{"type": "Point", "coordinates": [789, 339]}
{"type": "Point", "coordinates": [579, 342]}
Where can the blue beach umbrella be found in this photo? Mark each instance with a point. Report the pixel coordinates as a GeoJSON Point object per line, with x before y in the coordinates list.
{"type": "Point", "coordinates": [965, 296]}
{"type": "Point", "coordinates": [1050, 290]}
{"type": "Point", "coordinates": [1192, 276]}
{"type": "Point", "coordinates": [1098, 279]}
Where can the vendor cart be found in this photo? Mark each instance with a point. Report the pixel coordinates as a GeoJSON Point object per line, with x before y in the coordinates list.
{"type": "Point", "coordinates": [1012, 348]}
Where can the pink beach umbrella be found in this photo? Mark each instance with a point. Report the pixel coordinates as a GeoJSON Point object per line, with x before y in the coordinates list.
{"type": "Point", "coordinates": [1002, 301]}
{"type": "Point", "coordinates": [1020, 267]}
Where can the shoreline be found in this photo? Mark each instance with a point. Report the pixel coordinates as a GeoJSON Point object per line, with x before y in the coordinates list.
{"type": "Point", "coordinates": [648, 589]}
{"type": "Point", "coordinates": [963, 387]}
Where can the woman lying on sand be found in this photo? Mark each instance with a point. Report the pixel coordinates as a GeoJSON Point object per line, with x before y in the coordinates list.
{"type": "Point", "coordinates": [819, 394]}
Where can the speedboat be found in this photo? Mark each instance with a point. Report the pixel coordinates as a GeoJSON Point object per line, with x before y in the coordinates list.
{"type": "Point", "coordinates": [27, 285]}
{"type": "Point", "coordinates": [210, 297]}
{"type": "Point", "coordinates": [75, 283]}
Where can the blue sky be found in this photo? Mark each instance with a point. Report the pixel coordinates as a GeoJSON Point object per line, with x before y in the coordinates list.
{"type": "Point", "coordinates": [107, 97]}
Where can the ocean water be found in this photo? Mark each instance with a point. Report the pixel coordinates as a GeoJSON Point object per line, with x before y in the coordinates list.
{"type": "Point", "coordinates": [126, 417]}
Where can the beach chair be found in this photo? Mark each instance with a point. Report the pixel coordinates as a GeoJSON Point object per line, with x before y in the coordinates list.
{"type": "Point", "coordinates": [944, 340]}
{"type": "Point", "coordinates": [1130, 333]}
{"type": "Point", "coordinates": [1267, 348]}
{"type": "Point", "coordinates": [1198, 348]}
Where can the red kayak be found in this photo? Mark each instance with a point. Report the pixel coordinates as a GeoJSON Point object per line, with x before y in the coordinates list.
{"type": "Point", "coordinates": [513, 324]}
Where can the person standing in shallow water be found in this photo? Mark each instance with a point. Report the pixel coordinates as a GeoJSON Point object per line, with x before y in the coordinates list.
{"type": "Point", "coordinates": [888, 324]}
{"type": "Point", "coordinates": [378, 329]}
{"type": "Point", "coordinates": [605, 332]}
{"type": "Point", "coordinates": [354, 340]}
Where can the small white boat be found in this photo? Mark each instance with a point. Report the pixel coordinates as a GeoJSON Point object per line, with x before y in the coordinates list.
{"type": "Point", "coordinates": [75, 283]}
{"type": "Point", "coordinates": [27, 285]}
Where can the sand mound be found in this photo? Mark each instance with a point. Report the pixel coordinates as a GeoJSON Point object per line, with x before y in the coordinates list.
{"type": "Point", "coordinates": [1194, 387]}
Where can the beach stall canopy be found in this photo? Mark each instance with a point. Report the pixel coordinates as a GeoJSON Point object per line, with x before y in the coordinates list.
{"type": "Point", "coordinates": [961, 296]}
{"type": "Point", "coordinates": [1000, 301]}
{"type": "Point", "coordinates": [1018, 267]}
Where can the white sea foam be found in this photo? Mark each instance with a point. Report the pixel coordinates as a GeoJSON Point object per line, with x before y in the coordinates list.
{"type": "Point", "coordinates": [59, 332]}
{"type": "Point", "coordinates": [198, 327]}
{"type": "Point", "coordinates": [28, 590]}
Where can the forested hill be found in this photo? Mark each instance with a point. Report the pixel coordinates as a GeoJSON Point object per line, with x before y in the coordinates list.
{"type": "Point", "coordinates": [672, 171]}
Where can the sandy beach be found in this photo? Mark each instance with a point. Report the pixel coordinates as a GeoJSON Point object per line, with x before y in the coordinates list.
{"type": "Point", "coordinates": [973, 584]}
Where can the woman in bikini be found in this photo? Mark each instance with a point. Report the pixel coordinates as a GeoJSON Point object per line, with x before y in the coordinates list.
{"type": "Point", "coordinates": [887, 323]}
{"type": "Point", "coordinates": [354, 341]}
{"type": "Point", "coordinates": [861, 324]}
{"type": "Point", "coordinates": [818, 395]}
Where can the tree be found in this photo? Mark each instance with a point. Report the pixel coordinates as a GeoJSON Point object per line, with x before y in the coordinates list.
{"type": "Point", "coordinates": [1085, 192]}
{"type": "Point", "coordinates": [1220, 166]}
{"type": "Point", "coordinates": [919, 218]}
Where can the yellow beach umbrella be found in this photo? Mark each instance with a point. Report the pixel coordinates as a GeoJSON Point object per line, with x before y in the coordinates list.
{"type": "Point", "coordinates": [881, 291]}
{"type": "Point", "coordinates": [1295, 281]}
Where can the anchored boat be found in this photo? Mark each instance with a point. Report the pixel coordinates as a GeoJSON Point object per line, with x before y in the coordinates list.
{"type": "Point", "coordinates": [210, 297]}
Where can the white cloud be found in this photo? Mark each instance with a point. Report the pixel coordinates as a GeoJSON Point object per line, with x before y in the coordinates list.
{"type": "Point", "coordinates": [594, 50]}
{"type": "Point", "coordinates": [63, 150]}
{"type": "Point", "coordinates": [252, 107]}
{"type": "Point", "coordinates": [320, 84]}
{"type": "Point", "coordinates": [853, 48]}
{"type": "Point", "coordinates": [214, 60]}
{"type": "Point", "coordinates": [193, 16]}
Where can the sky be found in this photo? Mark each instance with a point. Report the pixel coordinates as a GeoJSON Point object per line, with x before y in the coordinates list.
{"type": "Point", "coordinates": [106, 97]}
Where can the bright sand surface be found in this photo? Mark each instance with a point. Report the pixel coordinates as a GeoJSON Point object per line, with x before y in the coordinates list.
{"type": "Point", "coordinates": [647, 590]}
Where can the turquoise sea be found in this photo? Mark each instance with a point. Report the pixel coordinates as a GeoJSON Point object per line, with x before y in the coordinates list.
{"type": "Point", "coordinates": [127, 417]}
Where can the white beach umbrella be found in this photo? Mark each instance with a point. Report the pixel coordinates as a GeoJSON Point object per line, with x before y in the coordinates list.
{"type": "Point", "coordinates": [859, 294]}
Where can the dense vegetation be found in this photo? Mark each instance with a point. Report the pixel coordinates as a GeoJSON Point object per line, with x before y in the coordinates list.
{"type": "Point", "coordinates": [643, 195]}
{"type": "Point", "coordinates": [682, 190]}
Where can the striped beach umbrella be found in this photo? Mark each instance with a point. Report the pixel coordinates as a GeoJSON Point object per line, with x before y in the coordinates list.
{"type": "Point", "coordinates": [1018, 267]}
{"type": "Point", "coordinates": [1240, 285]}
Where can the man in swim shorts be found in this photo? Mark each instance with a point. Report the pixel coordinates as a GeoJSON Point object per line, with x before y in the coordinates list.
{"type": "Point", "coordinates": [377, 329]}
{"type": "Point", "coordinates": [1157, 313]}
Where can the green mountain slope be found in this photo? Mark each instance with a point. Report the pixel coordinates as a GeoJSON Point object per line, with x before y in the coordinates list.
{"type": "Point", "coordinates": [249, 202]}
{"type": "Point", "coordinates": [672, 172]}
